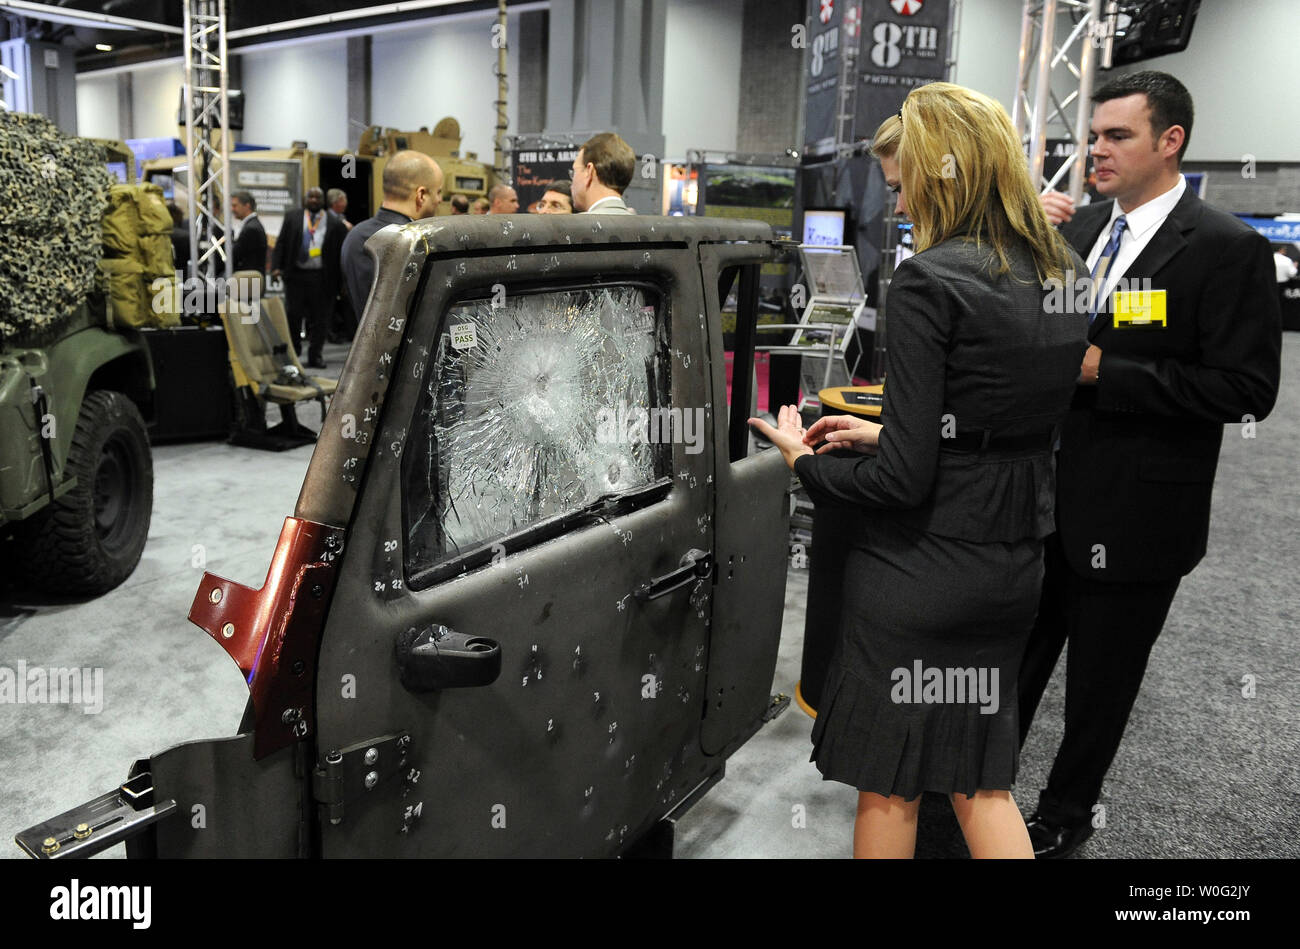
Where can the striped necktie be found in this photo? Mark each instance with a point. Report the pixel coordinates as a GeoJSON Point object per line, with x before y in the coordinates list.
{"type": "Point", "coordinates": [1101, 268]}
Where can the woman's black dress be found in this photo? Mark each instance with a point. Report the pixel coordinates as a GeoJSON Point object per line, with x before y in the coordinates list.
{"type": "Point", "coordinates": [942, 582]}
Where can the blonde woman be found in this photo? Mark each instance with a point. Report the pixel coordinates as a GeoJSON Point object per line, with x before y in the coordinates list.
{"type": "Point", "coordinates": [955, 484]}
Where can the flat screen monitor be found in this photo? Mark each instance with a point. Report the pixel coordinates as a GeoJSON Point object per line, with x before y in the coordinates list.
{"type": "Point", "coordinates": [823, 227]}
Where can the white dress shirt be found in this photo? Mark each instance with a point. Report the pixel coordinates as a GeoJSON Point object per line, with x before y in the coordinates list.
{"type": "Point", "coordinates": [1286, 267]}
{"type": "Point", "coordinates": [1143, 222]}
{"type": "Point", "coordinates": [238, 226]}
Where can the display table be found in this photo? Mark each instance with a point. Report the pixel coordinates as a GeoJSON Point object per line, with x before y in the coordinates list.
{"type": "Point", "coordinates": [831, 537]}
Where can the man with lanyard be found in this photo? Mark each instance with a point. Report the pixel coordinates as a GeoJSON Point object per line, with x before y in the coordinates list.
{"type": "Point", "coordinates": [307, 256]}
{"type": "Point", "coordinates": [412, 190]}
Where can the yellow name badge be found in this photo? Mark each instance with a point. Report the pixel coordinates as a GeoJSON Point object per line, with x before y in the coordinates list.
{"type": "Point", "coordinates": [1140, 308]}
{"type": "Point", "coordinates": [315, 252]}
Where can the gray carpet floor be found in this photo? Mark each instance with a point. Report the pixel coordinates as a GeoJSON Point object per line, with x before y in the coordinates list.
{"type": "Point", "coordinates": [1203, 772]}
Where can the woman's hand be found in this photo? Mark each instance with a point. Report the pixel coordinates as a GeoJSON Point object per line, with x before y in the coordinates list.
{"type": "Point", "coordinates": [788, 436]}
{"type": "Point", "coordinates": [844, 431]}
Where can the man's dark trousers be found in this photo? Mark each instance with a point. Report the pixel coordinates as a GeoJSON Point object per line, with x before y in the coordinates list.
{"type": "Point", "coordinates": [308, 303]}
{"type": "Point", "coordinates": [1135, 471]}
{"type": "Point", "coordinates": [1111, 628]}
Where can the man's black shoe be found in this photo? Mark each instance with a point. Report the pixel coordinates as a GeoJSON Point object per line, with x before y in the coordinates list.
{"type": "Point", "coordinates": [317, 363]}
{"type": "Point", "coordinates": [1053, 841]}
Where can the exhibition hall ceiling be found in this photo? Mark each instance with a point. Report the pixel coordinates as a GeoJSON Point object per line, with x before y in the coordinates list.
{"type": "Point", "coordinates": [126, 46]}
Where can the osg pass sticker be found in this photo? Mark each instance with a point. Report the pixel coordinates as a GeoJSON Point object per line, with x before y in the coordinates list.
{"type": "Point", "coordinates": [1140, 307]}
{"type": "Point", "coordinates": [463, 336]}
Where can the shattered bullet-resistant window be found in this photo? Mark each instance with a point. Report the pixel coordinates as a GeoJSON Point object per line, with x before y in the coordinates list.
{"type": "Point", "coordinates": [531, 410]}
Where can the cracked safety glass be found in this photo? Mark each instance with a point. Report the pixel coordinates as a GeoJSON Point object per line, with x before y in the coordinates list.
{"type": "Point", "coordinates": [529, 411]}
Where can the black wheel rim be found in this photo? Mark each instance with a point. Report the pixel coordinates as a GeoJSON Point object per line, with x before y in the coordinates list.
{"type": "Point", "coordinates": [115, 479]}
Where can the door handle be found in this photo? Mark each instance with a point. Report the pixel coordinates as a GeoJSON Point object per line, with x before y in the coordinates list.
{"type": "Point", "coordinates": [695, 565]}
{"type": "Point", "coordinates": [435, 658]}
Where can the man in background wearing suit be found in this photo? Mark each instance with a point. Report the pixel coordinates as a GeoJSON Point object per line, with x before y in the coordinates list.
{"type": "Point", "coordinates": [307, 254]}
{"type": "Point", "coordinates": [1189, 340]}
{"type": "Point", "coordinates": [601, 172]}
{"type": "Point", "coordinates": [250, 236]}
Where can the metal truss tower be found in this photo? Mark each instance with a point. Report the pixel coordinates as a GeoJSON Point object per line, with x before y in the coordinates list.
{"type": "Point", "coordinates": [207, 139]}
{"type": "Point", "coordinates": [1051, 78]}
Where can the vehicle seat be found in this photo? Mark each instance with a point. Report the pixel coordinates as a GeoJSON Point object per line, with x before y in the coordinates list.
{"type": "Point", "coordinates": [265, 369]}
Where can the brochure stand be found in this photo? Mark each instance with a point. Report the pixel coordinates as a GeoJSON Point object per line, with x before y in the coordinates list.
{"type": "Point", "coordinates": [825, 328]}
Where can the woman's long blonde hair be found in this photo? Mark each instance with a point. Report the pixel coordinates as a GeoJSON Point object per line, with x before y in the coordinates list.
{"type": "Point", "coordinates": [964, 172]}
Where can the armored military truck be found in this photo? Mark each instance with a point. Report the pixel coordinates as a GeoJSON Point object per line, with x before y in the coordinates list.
{"type": "Point", "coordinates": [76, 484]}
{"type": "Point", "coordinates": [530, 598]}
{"type": "Point", "coordinates": [76, 476]}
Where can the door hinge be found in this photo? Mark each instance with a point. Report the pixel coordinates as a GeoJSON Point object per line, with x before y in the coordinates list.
{"type": "Point", "coordinates": [345, 775]}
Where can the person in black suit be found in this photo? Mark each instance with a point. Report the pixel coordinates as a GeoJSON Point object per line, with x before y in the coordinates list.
{"type": "Point", "coordinates": [954, 495]}
{"type": "Point", "coordinates": [307, 255]}
{"type": "Point", "coordinates": [412, 190]}
{"type": "Point", "coordinates": [1186, 338]}
{"type": "Point", "coordinates": [250, 236]}
{"type": "Point", "coordinates": [180, 239]}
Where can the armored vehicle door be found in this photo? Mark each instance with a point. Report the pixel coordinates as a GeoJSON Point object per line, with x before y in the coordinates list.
{"type": "Point", "coordinates": [515, 656]}
{"type": "Point", "coordinates": [751, 514]}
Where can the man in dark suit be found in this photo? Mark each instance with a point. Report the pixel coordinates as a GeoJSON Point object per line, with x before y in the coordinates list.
{"type": "Point", "coordinates": [412, 190]}
{"type": "Point", "coordinates": [250, 236]}
{"type": "Point", "coordinates": [1185, 337]}
{"type": "Point", "coordinates": [307, 255]}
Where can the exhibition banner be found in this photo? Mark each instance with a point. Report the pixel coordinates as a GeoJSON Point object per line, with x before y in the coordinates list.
{"type": "Point", "coordinates": [276, 184]}
{"type": "Point", "coordinates": [533, 169]}
{"type": "Point", "coordinates": [904, 45]}
{"type": "Point", "coordinates": [822, 66]}
{"type": "Point", "coordinates": [1279, 232]}
{"type": "Point", "coordinates": [900, 44]}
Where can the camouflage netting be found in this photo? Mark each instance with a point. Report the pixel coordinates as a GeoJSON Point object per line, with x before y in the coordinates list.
{"type": "Point", "coordinates": [53, 190]}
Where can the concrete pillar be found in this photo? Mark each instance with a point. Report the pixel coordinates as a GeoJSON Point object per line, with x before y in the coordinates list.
{"type": "Point", "coordinates": [605, 73]}
{"type": "Point", "coordinates": [358, 89]}
{"type": "Point", "coordinates": [125, 106]}
{"type": "Point", "coordinates": [771, 97]}
{"type": "Point", "coordinates": [528, 84]}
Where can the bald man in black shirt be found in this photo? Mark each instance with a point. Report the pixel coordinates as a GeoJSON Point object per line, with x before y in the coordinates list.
{"type": "Point", "coordinates": [412, 190]}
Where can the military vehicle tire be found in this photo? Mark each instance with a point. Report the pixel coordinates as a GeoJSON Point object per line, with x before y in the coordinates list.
{"type": "Point", "coordinates": [90, 539]}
